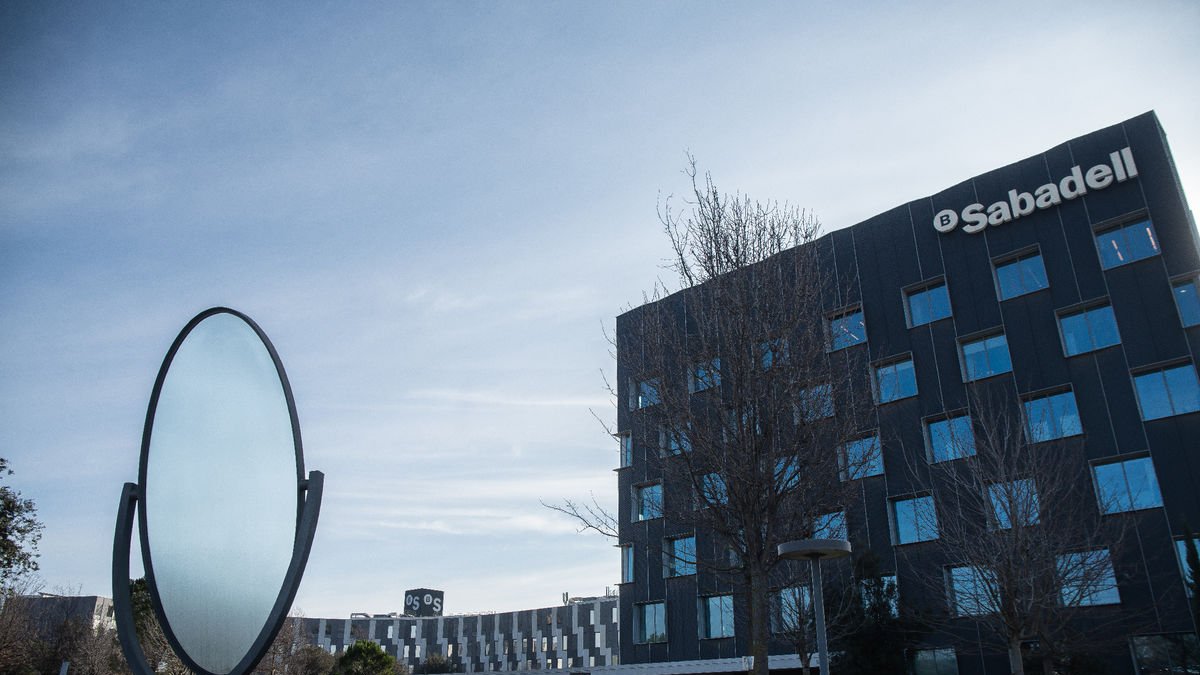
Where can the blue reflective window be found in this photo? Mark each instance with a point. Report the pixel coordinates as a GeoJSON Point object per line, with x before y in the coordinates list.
{"type": "Point", "coordinates": [626, 449]}
{"type": "Point", "coordinates": [1127, 243]}
{"type": "Point", "coordinates": [1021, 275]}
{"type": "Point", "coordinates": [928, 305]}
{"type": "Point", "coordinates": [951, 438]}
{"type": "Point", "coordinates": [713, 489]}
{"type": "Point", "coordinates": [793, 608]}
{"type": "Point", "coordinates": [718, 616]}
{"type": "Point", "coordinates": [673, 442]}
{"type": "Point", "coordinates": [1167, 392]}
{"type": "Point", "coordinates": [1087, 578]}
{"type": "Point", "coordinates": [986, 357]}
{"type": "Point", "coordinates": [972, 590]}
{"type": "Point", "coordinates": [645, 393]}
{"type": "Point", "coordinates": [914, 520]}
{"type": "Point", "coordinates": [847, 330]}
{"type": "Point", "coordinates": [651, 620]}
{"type": "Point", "coordinates": [1014, 502]}
{"type": "Point", "coordinates": [1181, 547]}
{"type": "Point", "coordinates": [787, 473]}
{"type": "Point", "coordinates": [935, 662]}
{"type": "Point", "coordinates": [1188, 301]}
{"type": "Point", "coordinates": [772, 352]}
{"type": "Point", "coordinates": [627, 564]}
{"type": "Point", "coordinates": [649, 501]}
{"type": "Point", "coordinates": [896, 380]}
{"type": "Point", "coordinates": [1053, 416]}
{"type": "Point", "coordinates": [1127, 486]}
{"type": "Point", "coordinates": [861, 458]}
{"type": "Point", "coordinates": [814, 403]}
{"type": "Point", "coordinates": [706, 375]}
{"type": "Point", "coordinates": [830, 526]}
{"type": "Point", "coordinates": [1089, 330]}
{"type": "Point", "coordinates": [679, 557]}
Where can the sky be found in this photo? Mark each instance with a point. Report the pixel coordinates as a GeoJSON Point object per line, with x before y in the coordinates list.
{"type": "Point", "coordinates": [435, 210]}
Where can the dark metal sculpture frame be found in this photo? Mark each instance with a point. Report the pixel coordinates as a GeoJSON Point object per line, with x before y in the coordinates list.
{"type": "Point", "coordinates": [308, 508]}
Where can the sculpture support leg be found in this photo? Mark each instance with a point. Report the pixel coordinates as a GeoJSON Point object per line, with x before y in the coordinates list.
{"type": "Point", "coordinates": [122, 593]}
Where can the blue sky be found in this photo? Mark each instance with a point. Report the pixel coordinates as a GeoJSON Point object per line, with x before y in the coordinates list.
{"type": "Point", "coordinates": [434, 208]}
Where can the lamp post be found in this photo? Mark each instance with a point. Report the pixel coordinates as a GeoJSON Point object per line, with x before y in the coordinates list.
{"type": "Point", "coordinates": [814, 551]}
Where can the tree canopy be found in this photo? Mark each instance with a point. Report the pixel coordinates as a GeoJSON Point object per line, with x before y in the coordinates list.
{"type": "Point", "coordinates": [20, 532]}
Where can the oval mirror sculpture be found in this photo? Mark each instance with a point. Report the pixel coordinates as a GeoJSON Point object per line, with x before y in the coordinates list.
{"type": "Point", "coordinates": [222, 495]}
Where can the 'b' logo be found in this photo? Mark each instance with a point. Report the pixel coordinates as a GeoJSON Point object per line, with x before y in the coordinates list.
{"type": "Point", "coordinates": [945, 220]}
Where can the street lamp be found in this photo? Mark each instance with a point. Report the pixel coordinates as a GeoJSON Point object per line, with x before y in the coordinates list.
{"type": "Point", "coordinates": [814, 551]}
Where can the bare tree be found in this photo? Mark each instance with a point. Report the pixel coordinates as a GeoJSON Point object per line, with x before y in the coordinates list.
{"type": "Point", "coordinates": [1025, 538]}
{"type": "Point", "coordinates": [738, 381]}
{"type": "Point", "coordinates": [794, 612]}
{"type": "Point", "coordinates": [284, 648]}
{"type": "Point", "coordinates": [18, 629]}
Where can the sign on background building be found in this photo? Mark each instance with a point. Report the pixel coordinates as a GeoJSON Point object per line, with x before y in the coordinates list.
{"type": "Point", "coordinates": [423, 602]}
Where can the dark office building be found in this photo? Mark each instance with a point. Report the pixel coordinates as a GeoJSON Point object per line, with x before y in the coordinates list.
{"type": "Point", "coordinates": [1065, 282]}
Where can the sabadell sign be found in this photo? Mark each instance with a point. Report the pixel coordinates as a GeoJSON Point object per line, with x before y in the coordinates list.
{"type": "Point", "coordinates": [1075, 184]}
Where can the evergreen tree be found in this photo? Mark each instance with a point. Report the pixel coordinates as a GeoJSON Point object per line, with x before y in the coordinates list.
{"type": "Point", "coordinates": [875, 637]}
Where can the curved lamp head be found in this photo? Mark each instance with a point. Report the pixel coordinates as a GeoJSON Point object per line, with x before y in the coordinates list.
{"type": "Point", "coordinates": [225, 511]}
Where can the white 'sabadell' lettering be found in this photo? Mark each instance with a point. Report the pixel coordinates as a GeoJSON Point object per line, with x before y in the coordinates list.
{"type": "Point", "coordinates": [976, 217]}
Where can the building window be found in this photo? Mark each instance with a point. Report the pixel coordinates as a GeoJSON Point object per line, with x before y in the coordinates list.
{"type": "Point", "coordinates": [644, 393]}
{"type": "Point", "coordinates": [935, 662]}
{"type": "Point", "coordinates": [793, 609]}
{"type": "Point", "coordinates": [1087, 579]}
{"type": "Point", "coordinates": [787, 473]}
{"type": "Point", "coordinates": [830, 526]}
{"type": "Point", "coordinates": [627, 564]}
{"type": "Point", "coordinates": [971, 590]}
{"type": "Point", "coordinates": [928, 304]}
{"type": "Point", "coordinates": [985, 357]}
{"type": "Point", "coordinates": [846, 330]}
{"type": "Point", "coordinates": [772, 352]}
{"type": "Point", "coordinates": [1181, 547]}
{"type": "Point", "coordinates": [651, 622]}
{"type": "Point", "coordinates": [1187, 301]}
{"type": "Point", "coordinates": [1128, 485]}
{"type": "Point", "coordinates": [861, 458]}
{"type": "Point", "coordinates": [718, 616]}
{"type": "Point", "coordinates": [1053, 416]}
{"type": "Point", "coordinates": [1167, 392]}
{"type": "Point", "coordinates": [814, 403]}
{"type": "Point", "coordinates": [1014, 502]}
{"type": "Point", "coordinates": [673, 442]}
{"type": "Point", "coordinates": [648, 499]}
{"type": "Point", "coordinates": [1088, 330]}
{"type": "Point", "coordinates": [626, 440]}
{"type": "Point", "coordinates": [705, 375]}
{"type": "Point", "coordinates": [1021, 275]}
{"type": "Point", "coordinates": [679, 556]}
{"type": "Point", "coordinates": [712, 490]}
{"type": "Point", "coordinates": [950, 438]}
{"type": "Point", "coordinates": [1166, 654]}
{"type": "Point", "coordinates": [1126, 243]}
{"type": "Point", "coordinates": [913, 520]}
{"type": "Point", "coordinates": [895, 380]}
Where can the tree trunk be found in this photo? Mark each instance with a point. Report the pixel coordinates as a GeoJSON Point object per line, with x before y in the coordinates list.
{"type": "Point", "coordinates": [1016, 664]}
{"type": "Point", "coordinates": [759, 609]}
